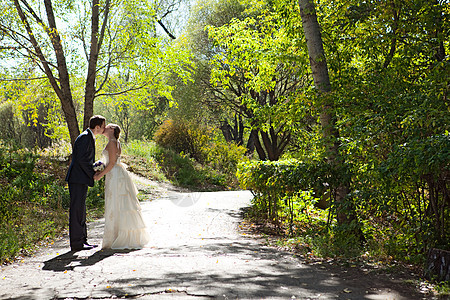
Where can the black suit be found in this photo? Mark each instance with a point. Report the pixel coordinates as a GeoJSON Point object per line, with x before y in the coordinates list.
{"type": "Point", "coordinates": [80, 176]}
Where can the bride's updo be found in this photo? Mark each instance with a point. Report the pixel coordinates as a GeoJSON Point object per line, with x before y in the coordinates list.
{"type": "Point", "coordinates": [116, 130]}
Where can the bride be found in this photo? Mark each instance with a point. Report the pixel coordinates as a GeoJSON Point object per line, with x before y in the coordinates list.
{"type": "Point", "coordinates": [124, 225]}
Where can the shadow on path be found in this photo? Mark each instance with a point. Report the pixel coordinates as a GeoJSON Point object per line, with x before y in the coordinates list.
{"type": "Point", "coordinates": [69, 260]}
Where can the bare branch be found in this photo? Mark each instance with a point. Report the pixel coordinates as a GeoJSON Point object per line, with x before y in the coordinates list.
{"type": "Point", "coordinates": [125, 91]}
{"type": "Point", "coordinates": [23, 79]}
{"type": "Point", "coordinates": [33, 13]}
{"type": "Point", "coordinates": [166, 30]}
{"type": "Point", "coordinates": [38, 50]}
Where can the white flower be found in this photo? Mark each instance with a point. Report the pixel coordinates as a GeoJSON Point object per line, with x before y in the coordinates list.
{"type": "Point", "coordinates": [98, 166]}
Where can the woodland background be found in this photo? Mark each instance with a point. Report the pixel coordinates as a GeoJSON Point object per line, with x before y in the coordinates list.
{"type": "Point", "coordinates": [345, 143]}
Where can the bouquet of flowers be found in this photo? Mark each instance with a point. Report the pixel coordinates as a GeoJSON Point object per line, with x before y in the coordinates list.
{"type": "Point", "coordinates": [98, 166]}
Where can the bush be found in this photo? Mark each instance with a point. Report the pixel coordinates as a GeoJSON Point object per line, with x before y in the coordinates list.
{"type": "Point", "coordinates": [408, 192]}
{"type": "Point", "coordinates": [284, 189]}
{"type": "Point", "coordinates": [183, 137]}
{"type": "Point", "coordinates": [225, 157]}
{"type": "Point", "coordinates": [218, 158]}
{"type": "Point", "coordinates": [402, 202]}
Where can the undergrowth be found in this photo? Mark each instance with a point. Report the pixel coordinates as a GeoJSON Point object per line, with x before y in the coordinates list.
{"type": "Point", "coordinates": [158, 163]}
{"type": "Point", "coordinates": [34, 200]}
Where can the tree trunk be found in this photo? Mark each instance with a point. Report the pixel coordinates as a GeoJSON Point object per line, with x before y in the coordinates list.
{"type": "Point", "coordinates": [440, 49]}
{"type": "Point", "coordinates": [89, 92]}
{"type": "Point", "coordinates": [226, 130]}
{"type": "Point", "coordinates": [251, 141]}
{"type": "Point", "coordinates": [321, 78]}
{"type": "Point", "coordinates": [259, 149]}
{"type": "Point", "coordinates": [96, 43]}
{"type": "Point", "coordinates": [64, 79]}
{"type": "Point", "coordinates": [62, 89]}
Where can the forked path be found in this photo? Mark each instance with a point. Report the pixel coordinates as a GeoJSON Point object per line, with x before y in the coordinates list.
{"type": "Point", "coordinates": [196, 251]}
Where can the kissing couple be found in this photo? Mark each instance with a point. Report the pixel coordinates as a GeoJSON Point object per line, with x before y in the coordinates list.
{"type": "Point", "coordinates": [124, 225]}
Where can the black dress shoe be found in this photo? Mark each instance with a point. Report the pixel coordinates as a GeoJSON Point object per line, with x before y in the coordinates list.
{"type": "Point", "coordinates": [84, 247]}
{"type": "Point", "coordinates": [89, 245]}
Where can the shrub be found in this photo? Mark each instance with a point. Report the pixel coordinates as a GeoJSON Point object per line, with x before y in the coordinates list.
{"type": "Point", "coordinates": [283, 188]}
{"type": "Point", "coordinates": [225, 157]}
{"type": "Point", "coordinates": [183, 137]}
{"type": "Point", "coordinates": [159, 163]}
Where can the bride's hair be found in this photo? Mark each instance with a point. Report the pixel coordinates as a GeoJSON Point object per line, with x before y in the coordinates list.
{"type": "Point", "coordinates": [116, 130]}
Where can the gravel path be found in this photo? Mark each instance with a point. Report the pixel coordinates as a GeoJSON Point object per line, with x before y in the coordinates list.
{"type": "Point", "coordinates": [196, 251]}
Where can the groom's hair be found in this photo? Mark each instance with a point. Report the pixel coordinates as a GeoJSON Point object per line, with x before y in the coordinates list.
{"type": "Point", "coordinates": [96, 120]}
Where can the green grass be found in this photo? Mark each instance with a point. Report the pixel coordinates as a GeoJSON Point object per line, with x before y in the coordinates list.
{"type": "Point", "coordinates": [154, 162]}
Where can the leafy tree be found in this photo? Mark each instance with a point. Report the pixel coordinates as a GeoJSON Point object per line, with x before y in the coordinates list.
{"type": "Point", "coordinates": [386, 60]}
{"type": "Point", "coordinates": [198, 99]}
{"type": "Point", "coordinates": [251, 76]}
{"type": "Point", "coordinates": [381, 96]}
{"type": "Point", "coordinates": [121, 39]}
{"type": "Point", "coordinates": [321, 78]}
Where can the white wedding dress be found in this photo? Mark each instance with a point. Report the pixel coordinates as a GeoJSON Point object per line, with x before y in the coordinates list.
{"type": "Point", "coordinates": [124, 225]}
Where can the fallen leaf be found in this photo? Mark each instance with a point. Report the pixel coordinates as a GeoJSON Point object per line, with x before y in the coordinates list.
{"type": "Point", "coordinates": [347, 291]}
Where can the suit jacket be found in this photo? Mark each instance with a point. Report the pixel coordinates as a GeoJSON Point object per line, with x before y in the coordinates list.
{"type": "Point", "coordinates": [81, 168]}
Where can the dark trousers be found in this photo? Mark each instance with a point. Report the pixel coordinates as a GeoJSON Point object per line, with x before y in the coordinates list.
{"type": "Point", "coordinates": [77, 214]}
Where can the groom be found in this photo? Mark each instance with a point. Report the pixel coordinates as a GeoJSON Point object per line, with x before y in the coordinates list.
{"type": "Point", "coordinates": [80, 176]}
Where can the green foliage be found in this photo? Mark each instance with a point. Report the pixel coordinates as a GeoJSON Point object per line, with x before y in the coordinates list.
{"type": "Point", "coordinates": [132, 64]}
{"type": "Point", "coordinates": [287, 194]}
{"type": "Point", "coordinates": [32, 203]}
{"type": "Point", "coordinates": [159, 163]}
{"type": "Point", "coordinates": [183, 137]}
{"type": "Point", "coordinates": [389, 65]}
{"type": "Point", "coordinates": [29, 115]}
{"type": "Point", "coordinates": [410, 186]}
{"type": "Point", "coordinates": [399, 217]}
{"type": "Point", "coordinates": [34, 200]}
{"type": "Point", "coordinates": [96, 195]}
{"type": "Point", "coordinates": [167, 164]}
{"type": "Point", "coordinates": [225, 156]}
{"type": "Point", "coordinates": [258, 74]}
{"type": "Point", "coordinates": [284, 189]}
{"type": "Point", "coordinates": [217, 157]}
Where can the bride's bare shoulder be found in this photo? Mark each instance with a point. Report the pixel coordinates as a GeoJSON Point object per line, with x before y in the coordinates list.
{"type": "Point", "coordinates": [112, 145]}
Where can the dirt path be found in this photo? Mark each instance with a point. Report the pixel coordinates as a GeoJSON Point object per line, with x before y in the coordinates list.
{"type": "Point", "coordinates": [196, 251]}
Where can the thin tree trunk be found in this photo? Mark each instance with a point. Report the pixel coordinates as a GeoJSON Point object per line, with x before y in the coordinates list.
{"type": "Point", "coordinates": [393, 47]}
{"type": "Point", "coordinates": [62, 89]}
{"type": "Point", "coordinates": [259, 149]}
{"type": "Point", "coordinates": [240, 140]}
{"type": "Point", "coordinates": [321, 78]}
{"type": "Point", "coordinates": [440, 49]}
{"type": "Point", "coordinates": [92, 66]}
{"type": "Point", "coordinates": [251, 141]}
{"type": "Point", "coordinates": [96, 43]}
